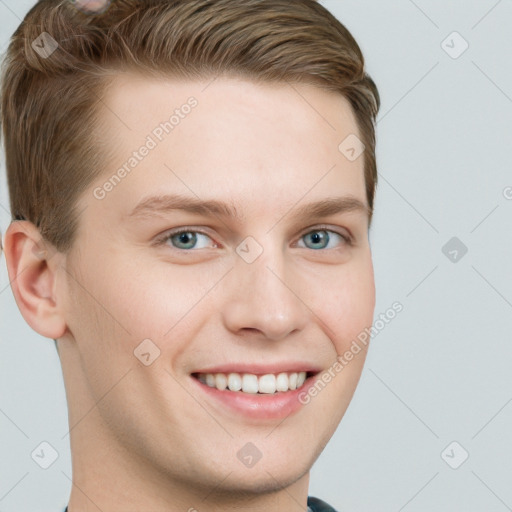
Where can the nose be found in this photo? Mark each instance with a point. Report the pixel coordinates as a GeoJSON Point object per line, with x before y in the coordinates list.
{"type": "Point", "coordinates": [264, 297]}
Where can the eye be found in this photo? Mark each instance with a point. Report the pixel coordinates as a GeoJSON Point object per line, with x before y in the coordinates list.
{"type": "Point", "coordinates": [185, 239]}
{"type": "Point", "coordinates": [320, 238]}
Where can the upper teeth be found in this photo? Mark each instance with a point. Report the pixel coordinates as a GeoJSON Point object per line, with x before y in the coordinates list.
{"type": "Point", "coordinates": [250, 383]}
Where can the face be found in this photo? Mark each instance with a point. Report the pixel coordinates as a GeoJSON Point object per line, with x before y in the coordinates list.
{"type": "Point", "coordinates": [239, 274]}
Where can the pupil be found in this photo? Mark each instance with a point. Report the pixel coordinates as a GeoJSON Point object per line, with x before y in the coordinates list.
{"type": "Point", "coordinates": [186, 238]}
{"type": "Point", "coordinates": [318, 236]}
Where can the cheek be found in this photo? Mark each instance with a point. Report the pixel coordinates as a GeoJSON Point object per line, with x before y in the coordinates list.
{"type": "Point", "coordinates": [164, 304]}
{"type": "Point", "coordinates": [154, 301]}
{"type": "Point", "coordinates": [347, 304]}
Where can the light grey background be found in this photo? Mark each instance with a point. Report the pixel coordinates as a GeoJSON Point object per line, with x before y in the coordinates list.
{"type": "Point", "coordinates": [440, 371]}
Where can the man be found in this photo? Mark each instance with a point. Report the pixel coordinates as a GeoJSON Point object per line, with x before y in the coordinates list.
{"type": "Point", "coordinates": [192, 187]}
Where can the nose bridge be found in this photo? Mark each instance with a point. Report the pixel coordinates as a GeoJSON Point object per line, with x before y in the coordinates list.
{"type": "Point", "coordinates": [264, 297]}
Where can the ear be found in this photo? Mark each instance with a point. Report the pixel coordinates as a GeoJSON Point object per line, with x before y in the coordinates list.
{"type": "Point", "coordinates": [32, 266]}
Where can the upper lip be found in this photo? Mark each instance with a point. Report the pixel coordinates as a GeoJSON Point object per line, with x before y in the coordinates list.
{"type": "Point", "coordinates": [261, 369]}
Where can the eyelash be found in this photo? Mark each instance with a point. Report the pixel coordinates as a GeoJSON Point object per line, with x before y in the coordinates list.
{"type": "Point", "coordinates": [165, 238]}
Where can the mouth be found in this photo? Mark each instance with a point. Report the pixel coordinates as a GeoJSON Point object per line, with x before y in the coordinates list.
{"type": "Point", "coordinates": [256, 397]}
{"type": "Point", "coordinates": [255, 384]}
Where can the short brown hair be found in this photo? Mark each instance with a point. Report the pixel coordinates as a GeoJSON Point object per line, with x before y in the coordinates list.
{"type": "Point", "coordinates": [50, 105]}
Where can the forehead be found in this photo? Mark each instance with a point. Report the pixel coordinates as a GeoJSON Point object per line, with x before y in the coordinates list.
{"type": "Point", "coordinates": [134, 102]}
{"type": "Point", "coordinates": [226, 137]}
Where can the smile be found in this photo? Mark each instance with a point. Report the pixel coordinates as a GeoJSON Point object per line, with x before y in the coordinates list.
{"type": "Point", "coordinates": [251, 383]}
{"type": "Point", "coordinates": [256, 397]}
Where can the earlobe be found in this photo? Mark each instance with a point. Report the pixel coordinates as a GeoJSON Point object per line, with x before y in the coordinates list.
{"type": "Point", "coordinates": [32, 266]}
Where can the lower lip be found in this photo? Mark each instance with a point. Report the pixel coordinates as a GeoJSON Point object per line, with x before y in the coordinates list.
{"type": "Point", "coordinates": [260, 406]}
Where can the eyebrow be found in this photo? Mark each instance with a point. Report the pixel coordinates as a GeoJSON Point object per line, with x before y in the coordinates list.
{"type": "Point", "coordinates": [163, 204]}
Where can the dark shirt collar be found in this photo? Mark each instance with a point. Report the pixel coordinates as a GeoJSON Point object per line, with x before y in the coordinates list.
{"type": "Point", "coordinates": [314, 505]}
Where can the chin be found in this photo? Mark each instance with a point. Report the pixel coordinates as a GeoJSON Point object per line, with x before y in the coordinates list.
{"type": "Point", "coordinates": [257, 482]}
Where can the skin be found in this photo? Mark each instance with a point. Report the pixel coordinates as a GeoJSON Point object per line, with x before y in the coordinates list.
{"type": "Point", "coordinates": [144, 437]}
{"type": "Point", "coordinates": [91, 6]}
